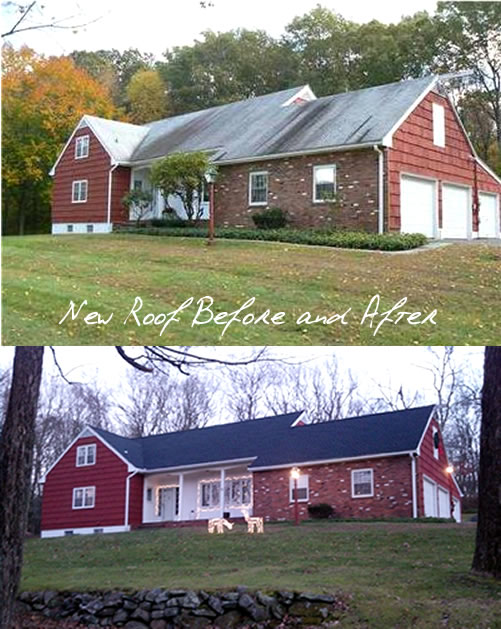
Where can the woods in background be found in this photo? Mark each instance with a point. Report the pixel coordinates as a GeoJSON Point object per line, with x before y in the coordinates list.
{"type": "Point", "coordinates": [43, 99]}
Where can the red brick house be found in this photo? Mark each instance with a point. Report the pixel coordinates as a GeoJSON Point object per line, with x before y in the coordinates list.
{"type": "Point", "coordinates": [385, 465]}
{"type": "Point", "coordinates": [392, 158]}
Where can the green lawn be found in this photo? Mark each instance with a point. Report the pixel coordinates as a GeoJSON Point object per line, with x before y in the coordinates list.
{"type": "Point", "coordinates": [41, 274]}
{"type": "Point", "coordinates": [391, 574]}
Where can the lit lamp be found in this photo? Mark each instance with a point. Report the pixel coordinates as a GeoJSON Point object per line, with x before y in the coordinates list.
{"type": "Point", "coordinates": [210, 178]}
{"type": "Point", "coordinates": [450, 470]}
{"type": "Point", "coordinates": [295, 473]}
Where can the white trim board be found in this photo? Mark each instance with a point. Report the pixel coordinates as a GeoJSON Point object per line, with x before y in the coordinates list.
{"type": "Point", "coordinates": [85, 530]}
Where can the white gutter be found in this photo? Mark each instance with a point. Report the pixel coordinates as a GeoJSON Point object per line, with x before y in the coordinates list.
{"type": "Point", "coordinates": [110, 178]}
{"type": "Point", "coordinates": [351, 458]}
{"type": "Point", "coordinates": [127, 492]}
{"type": "Point", "coordinates": [380, 193]}
{"type": "Point", "coordinates": [229, 462]}
{"type": "Point", "coordinates": [414, 485]}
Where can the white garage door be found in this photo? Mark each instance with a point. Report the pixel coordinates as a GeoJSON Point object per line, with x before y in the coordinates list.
{"type": "Point", "coordinates": [430, 499]}
{"type": "Point", "coordinates": [489, 221]}
{"type": "Point", "coordinates": [417, 206]}
{"type": "Point", "coordinates": [456, 212]}
{"type": "Point", "coordinates": [444, 509]}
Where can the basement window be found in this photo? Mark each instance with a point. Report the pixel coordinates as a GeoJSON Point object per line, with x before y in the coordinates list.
{"type": "Point", "coordinates": [362, 483]}
{"type": "Point", "coordinates": [90, 229]}
{"type": "Point", "coordinates": [258, 188]}
{"type": "Point", "coordinates": [84, 497]}
{"type": "Point", "coordinates": [68, 533]}
{"type": "Point", "coordinates": [82, 147]}
{"type": "Point", "coordinates": [438, 125]}
{"type": "Point", "coordinates": [69, 229]}
{"type": "Point", "coordinates": [86, 455]}
{"type": "Point", "coordinates": [302, 489]}
{"type": "Point", "coordinates": [324, 183]}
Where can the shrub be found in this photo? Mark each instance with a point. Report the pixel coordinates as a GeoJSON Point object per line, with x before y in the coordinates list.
{"type": "Point", "coordinates": [347, 240]}
{"type": "Point", "coordinates": [169, 220]}
{"type": "Point", "coordinates": [272, 218]}
{"type": "Point", "coordinates": [321, 511]}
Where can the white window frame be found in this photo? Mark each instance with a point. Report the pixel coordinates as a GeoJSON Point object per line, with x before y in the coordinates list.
{"type": "Point", "coordinates": [234, 486]}
{"type": "Point", "coordinates": [438, 115]}
{"type": "Point", "coordinates": [92, 492]}
{"type": "Point", "coordinates": [91, 447]}
{"type": "Point", "coordinates": [212, 503]}
{"type": "Point", "coordinates": [323, 167]}
{"type": "Point", "coordinates": [251, 177]}
{"type": "Point", "coordinates": [436, 451]}
{"type": "Point", "coordinates": [82, 147]}
{"type": "Point", "coordinates": [77, 185]}
{"type": "Point", "coordinates": [353, 473]}
{"type": "Point", "coordinates": [303, 482]}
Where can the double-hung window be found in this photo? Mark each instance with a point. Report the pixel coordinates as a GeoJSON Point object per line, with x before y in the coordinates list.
{"type": "Point", "coordinates": [258, 188]}
{"type": "Point", "coordinates": [237, 492]}
{"type": "Point", "coordinates": [362, 483]}
{"type": "Point", "coordinates": [210, 494]}
{"type": "Point", "coordinates": [84, 497]}
{"type": "Point", "coordinates": [302, 489]}
{"type": "Point", "coordinates": [79, 192]}
{"type": "Point", "coordinates": [86, 455]}
{"type": "Point", "coordinates": [82, 147]}
{"type": "Point", "coordinates": [324, 183]}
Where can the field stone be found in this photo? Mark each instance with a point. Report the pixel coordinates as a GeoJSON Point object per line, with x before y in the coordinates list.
{"type": "Point", "coordinates": [157, 613]}
{"type": "Point", "coordinates": [146, 605]}
{"type": "Point", "coordinates": [286, 597]}
{"type": "Point", "coordinates": [141, 614]}
{"type": "Point", "coordinates": [203, 611]}
{"type": "Point", "coordinates": [162, 597]}
{"type": "Point", "coordinates": [120, 616]}
{"type": "Point", "coordinates": [230, 620]}
{"type": "Point", "coordinates": [316, 598]}
{"type": "Point", "coordinates": [152, 594]}
{"type": "Point", "coordinates": [277, 611]}
{"type": "Point", "coordinates": [170, 612]}
{"type": "Point", "coordinates": [158, 624]}
{"type": "Point", "coordinates": [106, 611]}
{"type": "Point", "coordinates": [177, 592]}
{"type": "Point", "coordinates": [190, 600]}
{"type": "Point", "coordinates": [129, 604]}
{"type": "Point", "coordinates": [266, 600]}
{"type": "Point", "coordinates": [245, 601]}
{"type": "Point", "coordinates": [48, 596]}
{"type": "Point", "coordinates": [134, 624]}
{"type": "Point", "coordinates": [215, 603]}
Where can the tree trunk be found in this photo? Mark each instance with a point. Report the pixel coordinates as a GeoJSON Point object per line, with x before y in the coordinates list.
{"type": "Point", "coordinates": [487, 558]}
{"type": "Point", "coordinates": [16, 457]}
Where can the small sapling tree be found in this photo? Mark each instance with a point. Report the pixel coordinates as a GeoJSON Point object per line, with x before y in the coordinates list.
{"type": "Point", "coordinates": [138, 204]}
{"type": "Point", "coordinates": [182, 175]}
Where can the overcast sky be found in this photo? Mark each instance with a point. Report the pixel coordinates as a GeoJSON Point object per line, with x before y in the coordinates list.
{"type": "Point", "coordinates": [371, 365]}
{"type": "Point", "coordinates": [153, 26]}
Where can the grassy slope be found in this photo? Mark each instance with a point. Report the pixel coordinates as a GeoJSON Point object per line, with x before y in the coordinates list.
{"type": "Point", "coordinates": [398, 574]}
{"type": "Point", "coordinates": [41, 274]}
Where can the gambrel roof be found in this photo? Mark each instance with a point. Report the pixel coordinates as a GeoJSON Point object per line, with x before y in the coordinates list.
{"type": "Point", "coordinates": [277, 441]}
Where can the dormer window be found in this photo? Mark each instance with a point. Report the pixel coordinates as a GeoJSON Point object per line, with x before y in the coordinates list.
{"type": "Point", "coordinates": [82, 147]}
{"type": "Point", "coordinates": [86, 455]}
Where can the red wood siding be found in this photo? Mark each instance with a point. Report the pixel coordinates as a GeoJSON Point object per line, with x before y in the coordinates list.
{"type": "Point", "coordinates": [95, 169]}
{"type": "Point", "coordinates": [413, 152]}
{"type": "Point", "coordinates": [108, 476]}
{"type": "Point", "coordinates": [120, 185]}
{"type": "Point", "coordinates": [331, 483]}
{"type": "Point", "coordinates": [428, 465]}
{"type": "Point", "coordinates": [136, 500]}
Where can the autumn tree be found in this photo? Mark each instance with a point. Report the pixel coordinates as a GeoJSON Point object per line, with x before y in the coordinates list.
{"type": "Point", "coordinates": [487, 558]}
{"type": "Point", "coordinates": [146, 97]}
{"type": "Point", "coordinates": [42, 101]}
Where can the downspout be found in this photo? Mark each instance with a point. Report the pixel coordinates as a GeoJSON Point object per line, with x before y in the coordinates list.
{"type": "Point", "coordinates": [414, 486]}
{"type": "Point", "coordinates": [127, 492]}
{"type": "Point", "coordinates": [380, 193]}
{"type": "Point", "coordinates": [110, 178]}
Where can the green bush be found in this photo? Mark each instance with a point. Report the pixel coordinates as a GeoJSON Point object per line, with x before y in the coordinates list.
{"type": "Point", "coordinates": [170, 220]}
{"type": "Point", "coordinates": [321, 511]}
{"type": "Point", "coordinates": [272, 218]}
{"type": "Point", "coordinates": [346, 240]}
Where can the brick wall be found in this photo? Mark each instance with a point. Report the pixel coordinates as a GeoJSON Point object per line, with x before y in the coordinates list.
{"type": "Point", "coordinates": [290, 187]}
{"type": "Point", "coordinates": [331, 483]}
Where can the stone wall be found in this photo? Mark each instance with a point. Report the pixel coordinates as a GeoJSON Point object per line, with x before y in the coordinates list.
{"type": "Point", "coordinates": [169, 609]}
{"type": "Point", "coordinates": [290, 187]}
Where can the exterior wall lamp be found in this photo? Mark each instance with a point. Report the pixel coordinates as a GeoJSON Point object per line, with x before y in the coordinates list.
{"type": "Point", "coordinates": [295, 474]}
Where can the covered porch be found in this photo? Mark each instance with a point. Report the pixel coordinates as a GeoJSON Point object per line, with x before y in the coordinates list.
{"type": "Point", "coordinates": [197, 494]}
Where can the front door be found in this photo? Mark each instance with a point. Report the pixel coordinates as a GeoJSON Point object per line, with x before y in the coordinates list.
{"type": "Point", "coordinates": [167, 502]}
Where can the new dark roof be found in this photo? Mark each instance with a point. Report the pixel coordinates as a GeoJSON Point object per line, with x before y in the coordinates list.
{"type": "Point", "coordinates": [272, 441]}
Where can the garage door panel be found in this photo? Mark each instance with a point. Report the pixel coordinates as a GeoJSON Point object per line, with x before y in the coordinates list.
{"type": "Point", "coordinates": [430, 499]}
{"type": "Point", "coordinates": [456, 212]}
{"type": "Point", "coordinates": [444, 509]}
{"type": "Point", "coordinates": [417, 205]}
{"type": "Point", "coordinates": [488, 219]}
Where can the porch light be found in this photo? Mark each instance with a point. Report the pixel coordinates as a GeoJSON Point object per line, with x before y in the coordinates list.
{"type": "Point", "coordinates": [295, 474]}
{"type": "Point", "coordinates": [210, 177]}
{"type": "Point", "coordinates": [449, 469]}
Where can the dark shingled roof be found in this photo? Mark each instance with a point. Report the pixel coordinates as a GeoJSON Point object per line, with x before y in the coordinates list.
{"type": "Point", "coordinates": [272, 441]}
{"type": "Point", "coordinates": [261, 126]}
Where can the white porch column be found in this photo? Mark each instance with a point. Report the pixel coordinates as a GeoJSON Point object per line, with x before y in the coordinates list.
{"type": "Point", "coordinates": [221, 499]}
{"type": "Point", "coordinates": [181, 484]}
